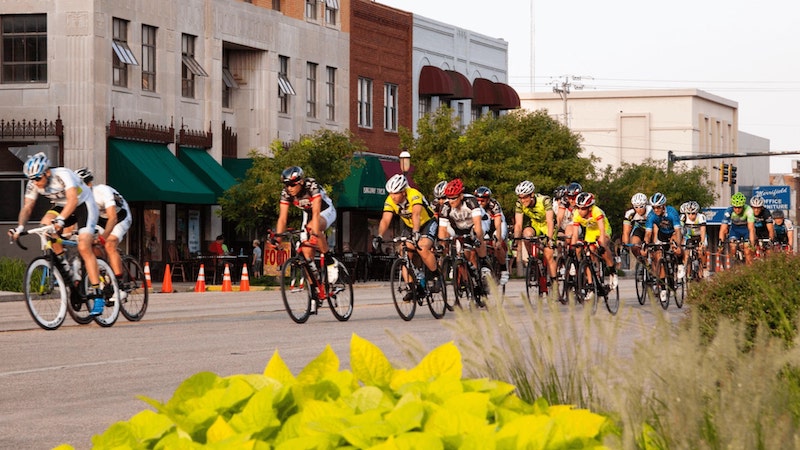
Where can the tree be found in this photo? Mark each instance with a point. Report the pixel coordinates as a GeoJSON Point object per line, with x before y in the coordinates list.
{"type": "Point", "coordinates": [615, 187]}
{"type": "Point", "coordinates": [497, 152]}
{"type": "Point", "coordinates": [325, 155]}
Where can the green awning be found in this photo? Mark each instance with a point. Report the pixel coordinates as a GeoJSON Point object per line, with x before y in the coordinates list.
{"type": "Point", "coordinates": [365, 188]}
{"type": "Point", "coordinates": [143, 171]}
{"type": "Point", "coordinates": [207, 169]}
{"type": "Point", "coordinates": [237, 167]}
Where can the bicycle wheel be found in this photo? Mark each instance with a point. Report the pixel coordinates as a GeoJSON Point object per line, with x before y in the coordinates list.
{"type": "Point", "coordinates": [462, 283]}
{"type": "Point", "coordinates": [478, 286]}
{"type": "Point", "coordinates": [134, 295]}
{"type": "Point", "coordinates": [295, 290]}
{"type": "Point", "coordinates": [612, 300]}
{"type": "Point", "coordinates": [448, 276]}
{"type": "Point", "coordinates": [532, 279]}
{"type": "Point", "coordinates": [436, 294]}
{"type": "Point", "coordinates": [79, 306]}
{"type": "Point", "coordinates": [46, 295]}
{"type": "Point", "coordinates": [404, 293]}
{"type": "Point", "coordinates": [641, 281]}
{"type": "Point", "coordinates": [569, 282]}
{"type": "Point", "coordinates": [587, 289]}
{"type": "Point", "coordinates": [677, 286]}
{"type": "Point", "coordinates": [110, 288]}
{"type": "Point", "coordinates": [661, 285]}
{"type": "Point", "coordinates": [340, 294]}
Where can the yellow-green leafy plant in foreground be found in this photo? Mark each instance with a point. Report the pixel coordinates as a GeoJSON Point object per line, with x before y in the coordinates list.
{"type": "Point", "coordinates": [373, 405]}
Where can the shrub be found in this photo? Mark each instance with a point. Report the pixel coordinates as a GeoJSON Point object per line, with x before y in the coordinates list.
{"type": "Point", "coordinates": [375, 406]}
{"type": "Point", "coordinates": [12, 272]}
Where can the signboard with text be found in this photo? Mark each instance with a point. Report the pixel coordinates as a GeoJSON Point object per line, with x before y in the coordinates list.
{"type": "Point", "coordinates": [775, 197]}
{"type": "Point", "coordinates": [275, 257]}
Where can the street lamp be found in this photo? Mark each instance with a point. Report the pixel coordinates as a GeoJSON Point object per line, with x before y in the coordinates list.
{"type": "Point", "coordinates": [405, 161]}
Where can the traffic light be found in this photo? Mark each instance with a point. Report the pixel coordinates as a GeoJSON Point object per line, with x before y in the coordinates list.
{"type": "Point", "coordinates": [732, 172]}
{"type": "Point", "coordinates": [724, 173]}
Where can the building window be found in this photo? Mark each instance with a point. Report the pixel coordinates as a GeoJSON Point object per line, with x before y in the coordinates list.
{"type": "Point", "coordinates": [331, 8]}
{"type": "Point", "coordinates": [425, 106]}
{"type": "Point", "coordinates": [460, 114]}
{"type": "Point", "coordinates": [285, 88]}
{"type": "Point", "coordinates": [390, 107]}
{"type": "Point", "coordinates": [24, 48]}
{"type": "Point", "coordinates": [330, 89]}
{"type": "Point", "coordinates": [276, 5]}
{"type": "Point", "coordinates": [190, 69]}
{"type": "Point", "coordinates": [311, 9]}
{"type": "Point", "coordinates": [228, 81]}
{"type": "Point", "coordinates": [476, 112]}
{"type": "Point", "coordinates": [122, 55]}
{"type": "Point", "coordinates": [148, 58]}
{"type": "Point", "coordinates": [364, 102]}
{"type": "Point", "coordinates": [311, 90]}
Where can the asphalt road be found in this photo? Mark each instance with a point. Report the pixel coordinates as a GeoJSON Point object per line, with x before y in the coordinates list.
{"type": "Point", "coordinates": [66, 385]}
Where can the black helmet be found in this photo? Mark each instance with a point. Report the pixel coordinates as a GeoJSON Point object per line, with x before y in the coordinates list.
{"type": "Point", "coordinates": [777, 214]}
{"type": "Point", "coordinates": [85, 174]}
{"type": "Point", "coordinates": [483, 192]}
{"type": "Point", "coordinates": [292, 175]}
{"type": "Point", "coordinates": [573, 189]}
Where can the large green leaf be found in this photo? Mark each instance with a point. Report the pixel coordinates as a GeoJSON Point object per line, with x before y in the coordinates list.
{"type": "Point", "coordinates": [368, 363]}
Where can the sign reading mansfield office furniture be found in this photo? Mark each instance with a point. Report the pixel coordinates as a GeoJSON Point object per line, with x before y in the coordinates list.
{"type": "Point", "coordinates": [775, 197]}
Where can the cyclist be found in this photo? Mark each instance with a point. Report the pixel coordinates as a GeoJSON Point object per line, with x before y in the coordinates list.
{"type": "Point", "coordinates": [739, 223]}
{"type": "Point", "coordinates": [590, 222]}
{"type": "Point", "coordinates": [533, 216]}
{"type": "Point", "coordinates": [693, 223]}
{"type": "Point", "coordinates": [318, 211]}
{"type": "Point", "coordinates": [765, 229]}
{"type": "Point", "coordinates": [498, 228]}
{"type": "Point", "coordinates": [73, 205]}
{"type": "Point", "coordinates": [566, 210]}
{"type": "Point", "coordinates": [664, 225]}
{"type": "Point", "coordinates": [114, 216]}
{"type": "Point", "coordinates": [634, 222]}
{"type": "Point", "coordinates": [439, 197]}
{"type": "Point", "coordinates": [784, 229]}
{"type": "Point", "coordinates": [417, 216]}
{"type": "Point", "coordinates": [463, 213]}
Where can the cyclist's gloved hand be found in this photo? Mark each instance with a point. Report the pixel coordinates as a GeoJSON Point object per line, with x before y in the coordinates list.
{"type": "Point", "coordinates": [273, 242]}
{"type": "Point", "coordinates": [59, 223]}
{"type": "Point", "coordinates": [376, 242]}
{"type": "Point", "coordinates": [476, 243]}
{"type": "Point", "coordinates": [415, 237]}
{"type": "Point", "coordinates": [14, 232]}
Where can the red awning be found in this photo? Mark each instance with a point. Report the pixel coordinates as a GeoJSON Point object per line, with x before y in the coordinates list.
{"type": "Point", "coordinates": [433, 81]}
{"type": "Point", "coordinates": [485, 93]}
{"type": "Point", "coordinates": [509, 99]}
{"type": "Point", "coordinates": [391, 168]}
{"type": "Point", "coordinates": [462, 89]}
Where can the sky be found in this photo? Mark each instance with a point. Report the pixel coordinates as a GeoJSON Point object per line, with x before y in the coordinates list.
{"type": "Point", "coordinates": [744, 51]}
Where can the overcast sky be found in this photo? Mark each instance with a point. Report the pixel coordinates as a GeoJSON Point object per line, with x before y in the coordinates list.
{"type": "Point", "coordinates": [745, 51]}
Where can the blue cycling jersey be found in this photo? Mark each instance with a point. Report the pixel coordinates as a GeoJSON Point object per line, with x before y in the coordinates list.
{"type": "Point", "coordinates": [666, 222]}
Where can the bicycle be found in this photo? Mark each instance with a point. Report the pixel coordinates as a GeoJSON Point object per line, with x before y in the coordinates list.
{"type": "Point", "coordinates": [304, 286]}
{"type": "Point", "coordinates": [763, 248]}
{"type": "Point", "coordinates": [567, 274]}
{"type": "Point", "coordinates": [134, 295]}
{"type": "Point", "coordinates": [694, 264]}
{"type": "Point", "coordinates": [674, 286]}
{"type": "Point", "coordinates": [537, 278]}
{"type": "Point", "coordinates": [461, 274]}
{"type": "Point", "coordinates": [51, 293]}
{"type": "Point", "coordinates": [496, 266]}
{"type": "Point", "coordinates": [417, 280]}
{"type": "Point", "coordinates": [590, 285]}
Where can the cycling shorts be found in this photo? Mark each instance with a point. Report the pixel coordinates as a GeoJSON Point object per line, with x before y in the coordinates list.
{"type": "Point", "coordinates": [84, 217]}
{"type": "Point", "coordinates": [739, 233]}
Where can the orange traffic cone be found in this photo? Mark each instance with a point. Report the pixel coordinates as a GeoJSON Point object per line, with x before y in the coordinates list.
{"type": "Point", "coordinates": [226, 280]}
{"type": "Point", "coordinates": [166, 285]}
{"type": "Point", "coordinates": [244, 284]}
{"type": "Point", "coordinates": [200, 285]}
{"type": "Point", "coordinates": [147, 274]}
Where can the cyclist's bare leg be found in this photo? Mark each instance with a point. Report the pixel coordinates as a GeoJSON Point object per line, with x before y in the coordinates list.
{"type": "Point", "coordinates": [89, 260]}
{"type": "Point", "coordinates": [425, 252]}
{"type": "Point", "coordinates": [112, 253]}
{"type": "Point", "coordinates": [551, 261]}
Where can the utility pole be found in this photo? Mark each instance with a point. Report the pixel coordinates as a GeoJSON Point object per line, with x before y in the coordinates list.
{"type": "Point", "coordinates": [563, 86]}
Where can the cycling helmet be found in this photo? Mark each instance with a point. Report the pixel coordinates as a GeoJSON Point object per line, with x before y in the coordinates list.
{"type": "Point", "coordinates": [639, 200]}
{"type": "Point", "coordinates": [454, 188]}
{"type": "Point", "coordinates": [525, 188]}
{"type": "Point", "coordinates": [738, 199]}
{"type": "Point", "coordinates": [574, 189]}
{"type": "Point", "coordinates": [559, 192]}
{"type": "Point", "coordinates": [757, 201]}
{"type": "Point", "coordinates": [683, 207]}
{"type": "Point", "coordinates": [483, 192]}
{"type": "Point", "coordinates": [36, 165]}
{"type": "Point", "coordinates": [692, 207]}
{"type": "Point", "coordinates": [85, 174]}
{"type": "Point", "coordinates": [658, 199]}
{"type": "Point", "coordinates": [292, 175]}
{"type": "Point", "coordinates": [438, 190]}
{"type": "Point", "coordinates": [584, 200]}
{"type": "Point", "coordinates": [777, 214]}
{"type": "Point", "coordinates": [398, 183]}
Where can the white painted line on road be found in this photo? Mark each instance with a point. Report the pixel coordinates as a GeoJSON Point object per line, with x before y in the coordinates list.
{"type": "Point", "coordinates": [70, 366]}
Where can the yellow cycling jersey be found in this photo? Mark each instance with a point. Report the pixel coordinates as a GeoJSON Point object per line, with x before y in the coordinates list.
{"type": "Point", "coordinates": [404, 209]}
{"type": "Point", "coordinates": [590, 222]}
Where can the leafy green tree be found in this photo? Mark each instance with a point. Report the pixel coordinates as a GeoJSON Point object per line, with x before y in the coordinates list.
{"type": "Point", "coordinates": [325, 155]}
{"type": "Point", "coordinates": [497, 152]}
{"type": "Point", "coordinates": [615, 187]}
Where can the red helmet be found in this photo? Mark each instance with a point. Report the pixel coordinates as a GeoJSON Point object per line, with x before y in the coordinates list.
{"type": "Point", "coordinates": [584, 200]}
{"type": "Point", "coordinates": [454, 188]}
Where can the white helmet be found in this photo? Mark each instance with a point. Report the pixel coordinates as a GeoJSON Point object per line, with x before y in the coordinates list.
{"type": "Point", "coordinates": [639, 200]}
{"type": "Point", "coordinates": [525, 188]}
{"type": "Point", "coordinates": [438, 190]}
{"type": "Point", "coordinates": [397, 183]}
{"type": "Point", "coordinates": [757, 201]}
{"type": "Point", "coordinates": [36, 165]}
